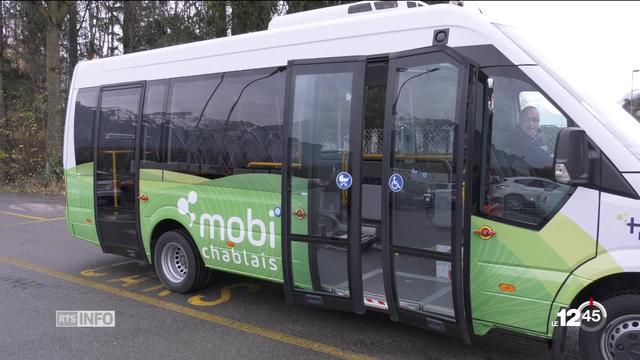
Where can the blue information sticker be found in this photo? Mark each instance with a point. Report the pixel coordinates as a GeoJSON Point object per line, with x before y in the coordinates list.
{"type": "Point", "coordinates": [396, 182]}
{"type": "Point", "coordinates": [344, 180]}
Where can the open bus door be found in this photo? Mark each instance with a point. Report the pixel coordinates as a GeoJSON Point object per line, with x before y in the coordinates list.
{"type": "Point", "coordinates": [115, 170]}
{"type": "Point", "coordinates": [321, 177]}
{"type": "Point", "coordinates": [425, 145]}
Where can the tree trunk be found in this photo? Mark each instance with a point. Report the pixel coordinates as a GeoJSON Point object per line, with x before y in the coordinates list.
{"type": "Point", "coordinates": [53, 15]}
{"type": "Point", "coordinates": [54, 101]}
{"type": "Point", "coordinates": [248, 16]}
{"type": "Point", "coordinates": [91, 54]}
{"type": "Point", "coordinates": [72, 39]}
{"type": "Point", "coordinates": [129, 27]}
{"type": "Point", "coordinates": [3, 104]}
{"type": "Point", "coordinates": [217, 18]}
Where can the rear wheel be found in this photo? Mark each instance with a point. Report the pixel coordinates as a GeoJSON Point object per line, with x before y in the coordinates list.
{"type": "Point", "coordinates": [178, 265]}
{"type": "Point", "coordinates": [620, 337]}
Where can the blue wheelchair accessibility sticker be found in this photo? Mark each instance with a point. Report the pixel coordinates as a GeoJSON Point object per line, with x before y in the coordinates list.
{"type": "Point", "coordinates": [396, 183]}
{"type": "Point", "coordinates": [344, 180]}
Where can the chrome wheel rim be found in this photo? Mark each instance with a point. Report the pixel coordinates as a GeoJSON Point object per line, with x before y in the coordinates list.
{"type": "Point", "coordinates": [621, 338]}
{"type": "Point", "coordinates": [174, 262]}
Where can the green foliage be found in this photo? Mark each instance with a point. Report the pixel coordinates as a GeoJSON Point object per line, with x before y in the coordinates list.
{"type": "Point", "coordinates": [23, 160]}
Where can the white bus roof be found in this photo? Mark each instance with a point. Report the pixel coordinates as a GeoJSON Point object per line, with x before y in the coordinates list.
{"type": "Point", "coordinates": [334, 33]}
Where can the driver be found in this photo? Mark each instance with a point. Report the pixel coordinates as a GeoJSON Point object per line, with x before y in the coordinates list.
{"type": "Point", "coordinates": [525, 141]}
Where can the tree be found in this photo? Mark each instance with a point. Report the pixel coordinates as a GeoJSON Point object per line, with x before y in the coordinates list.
{"type": "Point", "coordinates": [53, 14]}
{"type": "Point", "coordinates": [72, 39]}
{"type": "Point", "coordinates": [249, 16]}
{"type": "Point", "coordinates": [294, 6]}
{"type": "Point", "coordinates": [3, 104]}
{"type": "Point", "coordinates": [214, 19]}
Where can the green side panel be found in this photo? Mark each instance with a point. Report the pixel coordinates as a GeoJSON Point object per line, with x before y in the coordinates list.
{"type": "Point", "coordinates": [535, 262]}
{"type": "Point", "coordinates": [300, 251]}
{"type": "Point", "coordinates": [151, 174]}
{"type": "Point", "coordinates": [80, 215]}
{"type": "Point", "coordinates": [301, 271]}
{"type": "Point", "coordinates": [234, 221]}
{"type": "Point", "coordinates": [599, 267]}
{"type": "Point", "coordinates": [570, 289]}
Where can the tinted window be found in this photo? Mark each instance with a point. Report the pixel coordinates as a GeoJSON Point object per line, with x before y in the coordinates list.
{"type": "Point", "coordinates": [153, 121]}
{"type": "Point", "coordinates": [116, 147]}
{"type": "Point", "coordinates": [84, 118]}
{"type": "Point", "coordinates": [245, 117]}
{"type": "Point", "coordinates": [520, 141]}
{"type": "Point", "coordinates": [188, 141]}
{"type": "Point", "coordinates": [226, 124]}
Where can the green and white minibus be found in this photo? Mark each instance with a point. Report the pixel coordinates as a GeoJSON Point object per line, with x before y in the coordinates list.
{"type": "Point", "coordinates": [390, 156]}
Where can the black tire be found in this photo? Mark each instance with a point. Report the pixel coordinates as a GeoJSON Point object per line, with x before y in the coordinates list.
{"type": "Point", "coordinates": [194, 276]}
{"type": "Point", "coordinates": [617, 307]}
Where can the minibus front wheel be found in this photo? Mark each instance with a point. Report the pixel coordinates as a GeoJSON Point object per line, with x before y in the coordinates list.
{"type": "Point", "coordinates": [178, 265]}
{"type": "Point", "coordinates": [619, 338]}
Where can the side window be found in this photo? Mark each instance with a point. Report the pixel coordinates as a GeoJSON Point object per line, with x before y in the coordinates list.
{"type": "Point", "coordinates": [153, 122]}
{"type": "Point", "coordinates": [83, 124]}
{"type": "Point", "coordinates": [244, 119]}
{"type": "Point", "coordinates": [189, 142]}
{"type": "Point", "coordinates": [226, 124]}
{"type": "Point", "coordinates": [519, 142]}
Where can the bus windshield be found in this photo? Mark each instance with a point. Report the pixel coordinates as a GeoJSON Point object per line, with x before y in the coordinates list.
{"type": "Point", "coordinates": [611, 115]}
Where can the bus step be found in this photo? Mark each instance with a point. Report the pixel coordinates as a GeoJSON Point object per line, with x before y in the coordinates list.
{"type": "Point", "coordinates": [373, 301]}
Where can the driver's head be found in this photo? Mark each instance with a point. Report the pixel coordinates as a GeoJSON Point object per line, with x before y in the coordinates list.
{"type": "Point", "coordinates": [529, 120]}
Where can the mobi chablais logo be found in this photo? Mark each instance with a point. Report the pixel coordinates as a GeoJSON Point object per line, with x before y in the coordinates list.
{"type": "Point", "coordinates": [233, 231]}
{"type": "Point", "coordinates": [183, 206]}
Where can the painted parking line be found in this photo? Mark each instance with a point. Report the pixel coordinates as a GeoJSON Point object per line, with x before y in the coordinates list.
{"type": "Point", "coordinates": [31, 222]}
{"type": "Point", "coordinates": [216, 319]}
{"type": "Point", "coordinates": [25, 216]}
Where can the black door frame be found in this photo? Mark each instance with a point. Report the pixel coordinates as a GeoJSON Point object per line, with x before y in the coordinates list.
{"type": "Point", "coordinates": [106, 247]}
{"type": "Point", "coordinates": [459, 326]}
{"type": "Point", "coordinates": [355, 301]}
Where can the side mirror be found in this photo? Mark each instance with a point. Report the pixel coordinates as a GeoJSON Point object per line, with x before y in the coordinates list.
{"type": "Point", "coordinates": [571, 160]}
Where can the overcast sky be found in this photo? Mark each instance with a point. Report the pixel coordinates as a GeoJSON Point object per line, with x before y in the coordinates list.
{"type": "Point", "coordinates": [593, 44]}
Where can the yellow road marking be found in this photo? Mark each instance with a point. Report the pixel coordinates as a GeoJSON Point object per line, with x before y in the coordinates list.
{"type": "Point", "coordinates": [31, 222]}
{"type": "Point", "coordinates": [98, 271]}
{"type": "Point", "coordinates": [225, 295]}
{"type": "Point", "coordinates": [31, 217]}
{"type": "Point", "coordinates": [216, 319]}
{"type": "Point", "coordinates": [157, 287]}
{"type": "Point", "coordinates": [129, 280]}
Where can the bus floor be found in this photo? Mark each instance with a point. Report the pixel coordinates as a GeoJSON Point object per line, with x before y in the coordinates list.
{"type": "Point", "coordinates": [421, 284]}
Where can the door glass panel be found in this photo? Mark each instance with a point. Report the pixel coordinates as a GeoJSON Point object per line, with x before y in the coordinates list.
{"type": "Point", "coordinates": [423, 284]}
{"type": "Point", "coordinates": [321, 268]}
{"type": "Point", "coordinates": [425, 128]}
{"type": "Point", "coordinates": [320, 138]}
{"type": "Point", "coordinates": [115, 180]}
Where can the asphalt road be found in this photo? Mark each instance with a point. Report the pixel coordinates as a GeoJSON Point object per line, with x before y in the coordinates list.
{"type": "Point", "coordinates": [44, 269]}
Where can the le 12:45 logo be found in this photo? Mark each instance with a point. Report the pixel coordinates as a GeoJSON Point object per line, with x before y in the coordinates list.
{"type": "Point", "coordinates": [590, 316]}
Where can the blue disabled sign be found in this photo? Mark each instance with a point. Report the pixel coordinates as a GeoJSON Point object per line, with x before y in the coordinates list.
{"type": "Point", "coordinates": [344, 180]}
{"type": "Point", "coordinates": [396, 182]}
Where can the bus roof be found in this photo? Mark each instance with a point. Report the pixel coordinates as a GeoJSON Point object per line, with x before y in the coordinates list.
{"type": "Point", "coordinates": [334, 33]}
